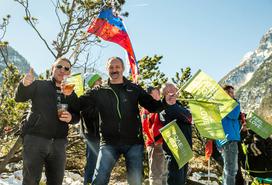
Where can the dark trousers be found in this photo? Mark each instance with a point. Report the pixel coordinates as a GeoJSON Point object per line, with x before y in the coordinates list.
{"type": "Point", "coordinates": [175, 175]}
{"type": "Point", "coordinates": [92, 150]}
{"type": "Point", "coordinates": [39, 152]}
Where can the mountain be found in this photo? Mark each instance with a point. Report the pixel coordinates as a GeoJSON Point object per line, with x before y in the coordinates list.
{"type": "Point", "coordinates": [252, 79]}
{"type": "Point", "coordinates": [256, 94]}
{"type": "Point", "coordinates": [18, 60]}
{"type": "Point", "coordinates": [250, 63]}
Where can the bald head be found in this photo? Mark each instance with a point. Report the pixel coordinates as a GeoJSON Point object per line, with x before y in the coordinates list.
{"type": "Point", "coordinates": [169, 88]}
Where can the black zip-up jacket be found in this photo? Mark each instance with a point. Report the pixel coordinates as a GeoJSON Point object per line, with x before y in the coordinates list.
{"type": "Point", "coordinates": [183, 118]}
{"type": "Point", "coordinates": [90, 123]}
{"type": "Point", "coordinates": [120, 119]}
{"type": "Point", "coordinates": [43, 119]}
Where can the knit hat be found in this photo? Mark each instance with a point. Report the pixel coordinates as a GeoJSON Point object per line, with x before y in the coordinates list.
{"type": "Point", "coordinates": [92, 79]}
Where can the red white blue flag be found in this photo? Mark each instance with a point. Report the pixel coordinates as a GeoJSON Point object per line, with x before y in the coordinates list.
{"type": "Point", "coordinates": [111, 28]}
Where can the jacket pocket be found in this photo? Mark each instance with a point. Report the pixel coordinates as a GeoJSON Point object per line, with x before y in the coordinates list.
{"type": "Point", "coordinates": [31, 123]}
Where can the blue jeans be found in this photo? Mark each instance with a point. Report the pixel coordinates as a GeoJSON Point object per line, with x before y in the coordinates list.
{"type": "Point", "coordinates": [108, 156]}
{"type": "Point", "coordinates": [230, 157]}
{"type": "Point", "coordinates": [92, 150]}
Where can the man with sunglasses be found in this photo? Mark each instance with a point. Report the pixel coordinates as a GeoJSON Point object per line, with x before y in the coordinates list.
{"type": "Point", "coordinates": [44, 132]}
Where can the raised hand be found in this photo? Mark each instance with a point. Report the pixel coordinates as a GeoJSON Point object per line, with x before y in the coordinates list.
{"type": "Point", "coordinates": [29, 78]}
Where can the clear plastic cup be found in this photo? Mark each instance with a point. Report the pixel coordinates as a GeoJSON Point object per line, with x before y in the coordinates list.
{"type": "Point", "coordinates": [69, 84]}
{"type": "Point", "coordinates": [62, 108]}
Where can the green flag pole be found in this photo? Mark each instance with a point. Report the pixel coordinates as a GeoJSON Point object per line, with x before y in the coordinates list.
{"type": "Point", "coordinates": [201, 101]}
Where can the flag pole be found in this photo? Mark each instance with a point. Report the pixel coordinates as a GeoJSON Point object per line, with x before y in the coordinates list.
{"type": "Point", "coordinates": [202, 101]}
{"type": "Point", "coordinates": [209, 171]}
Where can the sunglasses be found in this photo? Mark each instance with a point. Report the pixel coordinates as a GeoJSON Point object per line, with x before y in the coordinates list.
{"type": "Point", "coordinates": [60, 67]}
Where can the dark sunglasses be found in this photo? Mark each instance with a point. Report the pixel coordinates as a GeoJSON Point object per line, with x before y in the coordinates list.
{"type": "Point", "coordinates": [65, 68]}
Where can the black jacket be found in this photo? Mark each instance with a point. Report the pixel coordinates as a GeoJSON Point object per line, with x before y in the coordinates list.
{"type": "Point", "coordinates": [90, 123]}
{"type": "Point", "coordinates": [43, 120]}
{"type": "Point", "coordinates": [120, 119]}
{"type": "Point", "coordinates": [183, 118]}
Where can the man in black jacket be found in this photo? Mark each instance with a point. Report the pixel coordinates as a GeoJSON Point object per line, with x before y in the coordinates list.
{"type": "Point", "coordinates": [121, 132]}
{"type": "Point", "coordinates": [183, 118]}
{"type": "Point", "coordinates": [45, 133]}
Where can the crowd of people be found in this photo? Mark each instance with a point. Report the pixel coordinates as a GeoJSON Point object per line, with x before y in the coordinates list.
{"type": "Point", "coordinates": [118, 118]}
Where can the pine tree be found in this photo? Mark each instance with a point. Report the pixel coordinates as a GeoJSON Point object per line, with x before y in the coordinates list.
{"type": "Point", "coordinates": [10, 111]}
{"type": "Point", "coordinates": [179, 80]}
{"type": "Point", "coordinates": [150, 75]}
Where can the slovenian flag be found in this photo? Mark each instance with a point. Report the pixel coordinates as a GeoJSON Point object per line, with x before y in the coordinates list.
{"type": "Point", "coordinates": [111, 28]}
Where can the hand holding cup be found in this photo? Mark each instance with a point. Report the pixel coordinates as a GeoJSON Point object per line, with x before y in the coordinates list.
{"type": "Point", "coordinates": [67, 87]}
{"type": "Point", "coordinates": [63, 113]}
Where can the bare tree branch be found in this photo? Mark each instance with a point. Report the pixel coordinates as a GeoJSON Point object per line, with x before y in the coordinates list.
{"type": "Point", "coordinates": [29, 19]}
{"type": "Point", "coordinates": [57, 13]}
{"type": "Point", "coordinates": [3, 26]}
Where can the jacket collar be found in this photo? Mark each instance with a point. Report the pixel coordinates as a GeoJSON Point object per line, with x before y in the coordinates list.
{"type": "Point", "coordinates": [125, 83]}
{"type": "Point", "coordinates": [53, 81]}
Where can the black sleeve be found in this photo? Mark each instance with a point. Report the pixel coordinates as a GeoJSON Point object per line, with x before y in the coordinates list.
{"type": "Point", "coordinates": [90, 113]}
{"type": "Point", "coordinates": [184, 115]}
{"type": "Point", "coordinates": [177, 112]}
{"type": "Point", "coordinates": [87, 101]}
{"type": "Point", "coordinates": [24, 93]}
{"type": "Point", "coordinates": [73, 107]}
{"type": "Point", "coordinates": [149, 103]}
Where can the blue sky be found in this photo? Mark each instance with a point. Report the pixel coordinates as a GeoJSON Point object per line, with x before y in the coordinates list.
{"type": "Point", "coordinates": [212, 35]}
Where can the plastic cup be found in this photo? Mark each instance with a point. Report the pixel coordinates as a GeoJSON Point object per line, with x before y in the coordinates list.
{"type": "Point", "coordinates": [62, 108]}
{"type": "Point", "coordinates": [69, 84]}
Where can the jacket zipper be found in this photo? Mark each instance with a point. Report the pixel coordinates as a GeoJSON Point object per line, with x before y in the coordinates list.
{"type": "Point", "coordinates": [118, 110]}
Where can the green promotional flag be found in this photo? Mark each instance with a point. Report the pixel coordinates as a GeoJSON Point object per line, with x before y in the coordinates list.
{"type": "Point", "coordinates": [76, 79]}
{"type": "Point", "coordinates": [207, 119]}
{"type": "Point", "coordinates": [259, 126]}
{"type": "Point", "coordinates": [203, 87]}
{"type": "Point", "coordinates": [177, 143]}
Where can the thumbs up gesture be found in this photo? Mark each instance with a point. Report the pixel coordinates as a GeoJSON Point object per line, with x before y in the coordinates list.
{"type": "Point", "coordinates": [29, 78]}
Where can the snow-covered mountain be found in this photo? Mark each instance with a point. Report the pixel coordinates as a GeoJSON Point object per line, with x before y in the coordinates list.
{"type": "Point", "coordinates": [250, 63]}
{"type": "Point", "coordinates": [253, 79]}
